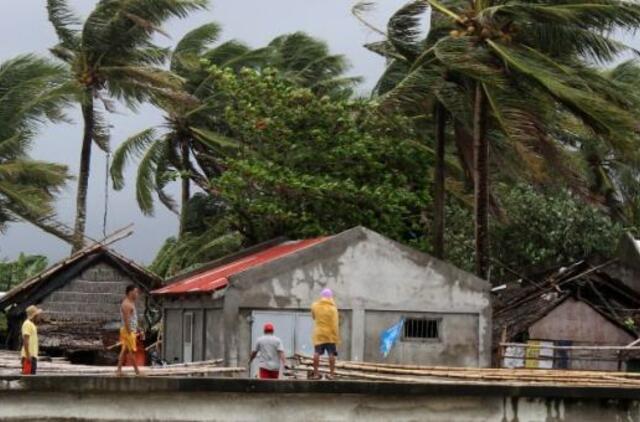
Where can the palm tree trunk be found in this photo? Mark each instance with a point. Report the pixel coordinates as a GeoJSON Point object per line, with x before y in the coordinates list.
{"type": "Point", "coordinates": [481, 182]}
{"type": "Point", "coordinates": [439, 180]}
{"type": "Point", "coordinates": [85, 168]}
{"type": "Point", "coordinates": [186, 185]}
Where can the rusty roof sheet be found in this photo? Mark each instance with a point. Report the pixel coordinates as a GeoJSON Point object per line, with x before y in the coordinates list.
{"type": "Point", "coordinates": [218, 277]}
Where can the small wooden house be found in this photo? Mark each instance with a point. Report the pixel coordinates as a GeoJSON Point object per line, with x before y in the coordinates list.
{"type": "Point", "coordinates": [572, 317]}
{"type": "Point", "coordinates": [81, 298]}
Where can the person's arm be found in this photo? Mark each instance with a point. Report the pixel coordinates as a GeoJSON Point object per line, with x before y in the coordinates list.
{"type": "Point", "coordinates": [25, 345]}
{"type": "Point", "coordinates": [283, 358]}
{"type": "Point", "coordinates": [254, 353]}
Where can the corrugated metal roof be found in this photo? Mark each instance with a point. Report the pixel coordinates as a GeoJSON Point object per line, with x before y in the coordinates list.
{"type": "Point", "coordinates": [218, 277]}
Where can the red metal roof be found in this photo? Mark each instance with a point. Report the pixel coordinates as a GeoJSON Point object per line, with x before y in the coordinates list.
{"type": "Point", "coordinates": [217, 278]}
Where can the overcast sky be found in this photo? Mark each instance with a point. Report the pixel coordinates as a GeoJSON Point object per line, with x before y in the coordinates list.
{"type": "Point", "coordinates": [24, 29]}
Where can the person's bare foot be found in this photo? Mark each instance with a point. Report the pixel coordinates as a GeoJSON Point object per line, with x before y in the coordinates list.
{"type": "Point", "coordinates": [119, 374]}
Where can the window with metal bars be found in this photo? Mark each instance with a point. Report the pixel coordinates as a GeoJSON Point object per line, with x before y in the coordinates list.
{"type": "Point", "coordinates": [421, 329]}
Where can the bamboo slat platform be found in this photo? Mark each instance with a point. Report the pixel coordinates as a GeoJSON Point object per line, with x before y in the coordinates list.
{"type": "Point", "coordinates": [448, 375]}
{"type": "Point", "coordinates": [10, 365]}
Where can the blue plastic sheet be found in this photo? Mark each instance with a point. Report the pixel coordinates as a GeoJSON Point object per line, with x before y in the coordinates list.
{"type": "Point", "coordinates": [390, 337]}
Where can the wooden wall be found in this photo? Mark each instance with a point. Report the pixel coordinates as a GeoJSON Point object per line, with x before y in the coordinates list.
{"type": "Point", "coordinates": [578, 322]}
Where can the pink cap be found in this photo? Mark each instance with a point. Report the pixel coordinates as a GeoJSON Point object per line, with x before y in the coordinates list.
{"type": "Point", "coordinates": [327, 293]}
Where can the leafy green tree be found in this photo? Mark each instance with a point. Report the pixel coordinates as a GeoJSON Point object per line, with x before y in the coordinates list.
{"type": "Point", "coordinates": [510, 67]}
{"type": "Point", "coordinates": [198, 128]}
{"type": "Point", "coordinates": [314, 165]}
{"type": "Point", "coordinates": [306, 166]}
{"type": "Point", "coordinates": [13, 273]}
{"type": "Point", "coordinates": [543, 229]}
{"type": "Point", "coordinates": [30, 93]}
{"type": "Point", "coordinates": [111, 55]}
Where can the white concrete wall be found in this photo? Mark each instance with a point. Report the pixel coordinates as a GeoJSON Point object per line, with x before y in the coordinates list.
{"type": "Point", "coordinates": [367, 272]}
{"type": "Point", "coordinates": [214, 406]}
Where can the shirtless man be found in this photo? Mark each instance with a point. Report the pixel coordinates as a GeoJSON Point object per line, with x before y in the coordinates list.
{"type": "Point", "coordinates": [129, 329]}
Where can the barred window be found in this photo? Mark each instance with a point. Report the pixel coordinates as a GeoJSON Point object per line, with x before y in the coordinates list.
{"type": "Point", "coordinates": [422, 329]}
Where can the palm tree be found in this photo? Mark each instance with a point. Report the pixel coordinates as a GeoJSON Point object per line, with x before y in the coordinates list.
{"type": "Point", "coordinates": [198, 128]}
{"type": "Point", "coordinates": [511, 67]}
{"type": "Point", "coordinates": [613, 173]}
{"type": "Point", "coordinates": [167, 150]}
{"type": "Point", "coordinates": [111, 55]}
{"type": "Point", "coordinates": [307, 62]}
{"type": "Point", "coordinates": [30, 93]}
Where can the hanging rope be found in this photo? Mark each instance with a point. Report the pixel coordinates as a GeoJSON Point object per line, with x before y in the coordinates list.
{"type": "Point", "coordinates": [106, 195]}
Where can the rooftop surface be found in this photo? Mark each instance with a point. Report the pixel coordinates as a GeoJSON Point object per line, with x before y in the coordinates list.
{"type": "Point", "coordinates": [218, 277]}
{"type": "Point", "coordinates": [132, 385]}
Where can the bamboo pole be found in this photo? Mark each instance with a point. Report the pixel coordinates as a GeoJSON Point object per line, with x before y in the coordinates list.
{"type": "Point", "coordinates": [494, 372]}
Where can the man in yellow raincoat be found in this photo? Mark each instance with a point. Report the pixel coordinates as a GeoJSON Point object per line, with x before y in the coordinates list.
{"type": "Point", "coordinates": [326, 333]}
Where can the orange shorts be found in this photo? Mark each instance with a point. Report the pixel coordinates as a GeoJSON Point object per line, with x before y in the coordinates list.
{"type": "Point", "coordinates": [128, 340]}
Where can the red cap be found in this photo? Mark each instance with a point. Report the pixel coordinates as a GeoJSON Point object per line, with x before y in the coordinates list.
{"type": "Point", "coordinates": [268, 327]}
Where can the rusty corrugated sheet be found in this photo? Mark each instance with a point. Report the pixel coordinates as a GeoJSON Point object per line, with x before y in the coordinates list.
{"type": "Point", "coordinates": [218, 278]}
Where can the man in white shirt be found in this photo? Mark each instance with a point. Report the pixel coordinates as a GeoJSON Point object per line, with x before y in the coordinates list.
{"type": "Point", "coordinates": [269, 350]}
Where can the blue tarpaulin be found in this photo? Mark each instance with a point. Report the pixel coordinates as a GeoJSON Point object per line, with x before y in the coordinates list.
{"type": "Point", "coordinates": [389, 338]}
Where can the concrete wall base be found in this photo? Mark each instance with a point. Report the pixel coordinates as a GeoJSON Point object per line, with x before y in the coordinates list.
{"type": "Point", "coordinates": [192, 399]}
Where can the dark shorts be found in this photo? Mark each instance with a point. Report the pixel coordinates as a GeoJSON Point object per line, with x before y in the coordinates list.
{"type": "Point", "coordinates": [330, 348]}
{"type": "Point", "coordinates": [266, 374]}
{"type": "Point", "coordinates": [29, 367]}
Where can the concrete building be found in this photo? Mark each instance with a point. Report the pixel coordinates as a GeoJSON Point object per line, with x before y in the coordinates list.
{"type": "Point", "coordinates": [218, 310]}
{"type": "Point", "coordinates": [81, 298]}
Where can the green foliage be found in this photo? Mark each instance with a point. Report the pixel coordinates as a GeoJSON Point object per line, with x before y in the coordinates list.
{"type": "Point", "coordinates": [542, 229]}
{"type": "Point", "coordinates": [31, 92]}
{"type": "Point", "coordinates": [197, 129]}
{"type": "Point", "coordinates": [312, 165]}
{"type": "Point", "coordinates": [15, 272]}
{"type": "Point", "coordinates": [208, 235]}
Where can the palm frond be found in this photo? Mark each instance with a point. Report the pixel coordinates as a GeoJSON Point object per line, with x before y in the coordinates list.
{"type": "Point", "coordinates": [133, 147]}
{"type": "Point", "coordinates": [197, 40]}
{"type": "Point", "coordinates": [146, 176]}
{"type": "Point", "coordinates": [406, 27]}
{"type": "Point", "coordinates": [600, 15]}
{"type": "Point", "coordinates": [65, 23]}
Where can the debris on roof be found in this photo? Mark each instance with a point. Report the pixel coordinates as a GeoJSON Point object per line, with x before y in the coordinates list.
{"type": "Point", "coordinates": [451, 375]}
{"type": "Point", "coordinates": [27, 286]}
{"type": "Point", "coordinates": [520, 305]}
{"type": "Point", "coordinates": [10, 365]}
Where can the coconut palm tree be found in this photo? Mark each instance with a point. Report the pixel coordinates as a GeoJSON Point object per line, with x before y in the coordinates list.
{"type": "Point", "coordinates": [511, 67]}
{"type": "Point", "coordinates": [308, 62]}
{"type": "Point", "coordinates": [167, 151]}
{"type": "Point", "coordinates": [197, 129]}
{"type": "Point", "coordinates": [30, 93]}
{"type": "Point", "coordinates": [111, 56]}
